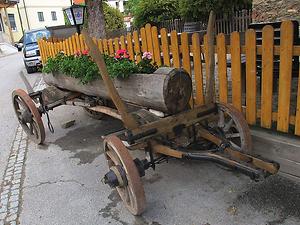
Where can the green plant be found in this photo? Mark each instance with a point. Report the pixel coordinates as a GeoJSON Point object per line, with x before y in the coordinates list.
{"type": "Point", "coordinates": [154, 11]}
{"type": "Point", "coordinates": [113, 18]}
{"type": "Point", "coordinates": [82, 67]}
{"type": "Point", "coordinates": [197, 10]}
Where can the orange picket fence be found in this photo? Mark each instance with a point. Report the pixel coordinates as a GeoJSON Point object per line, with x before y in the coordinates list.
{"type": "Point", "coordinates": [265, 102]}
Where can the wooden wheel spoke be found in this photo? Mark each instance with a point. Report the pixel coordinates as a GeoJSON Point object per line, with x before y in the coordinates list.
{"type": "Point", "coordinates": [228, 125]}
{"type": "Point", "coordinates": [235, 146]}
{"type": "Point", "coordinates": [31, 127]}
{"type": "Point", "coordinates": [221, 121]}
{"type": "Point", "coordinates": [233, 135]}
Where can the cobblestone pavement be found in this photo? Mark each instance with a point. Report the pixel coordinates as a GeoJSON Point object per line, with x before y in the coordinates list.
{"type": "Point", "coordinates": [10, 193]}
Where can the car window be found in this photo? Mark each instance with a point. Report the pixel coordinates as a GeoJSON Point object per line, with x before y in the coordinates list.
{"type": "Point", "coordinates": [33, 37]}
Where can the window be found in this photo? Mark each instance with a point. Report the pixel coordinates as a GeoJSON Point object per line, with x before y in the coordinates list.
{"type": "Point", "coordinates": [53, 15]}
{"type": "Point", "coordinates": [117, 5]}
{"type": "Point", "coordinates": [12, 22]}
{"type": "Point", "coordinates": [41, 16]}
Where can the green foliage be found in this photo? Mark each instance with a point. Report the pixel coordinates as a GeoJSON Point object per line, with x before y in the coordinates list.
{"type": "Point", "coordinates": [82, 67]}
{"type": "Point", "coordinates": [145, 66]}
{"type": "Point", "coordinates": [113, 18]}
{"type": "Point", "coordinates": [156, 11]}
{"type": "Point", "coordinates": [153, 11]}
{"type": "Point", "coordinates": [195, 10]}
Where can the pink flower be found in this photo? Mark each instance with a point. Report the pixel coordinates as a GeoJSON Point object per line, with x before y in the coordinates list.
{"type": "Point", "coordinates": [147, 55]}
{"type": "Point", "coordinates": [121, 52]}
{"type": "Point", "coordinates": [85, 52]}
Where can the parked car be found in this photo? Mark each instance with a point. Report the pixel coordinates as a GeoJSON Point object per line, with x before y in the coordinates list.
{"type": "Point", "coordinates": [19, 44]}
{"type": "Point", "coordinates": [32, 58]}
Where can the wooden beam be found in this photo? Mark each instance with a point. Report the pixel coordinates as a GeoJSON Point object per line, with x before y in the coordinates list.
{"type": "Point", "coordinates": [210, 83]}
{"type": "Point", "coordinates": [128, 120]}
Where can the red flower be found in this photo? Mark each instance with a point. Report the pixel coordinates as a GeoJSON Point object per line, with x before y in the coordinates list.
{"type": "Point", "coordinates": [121, 52]}
{"type": "Point", "coordinates": [85, 52]}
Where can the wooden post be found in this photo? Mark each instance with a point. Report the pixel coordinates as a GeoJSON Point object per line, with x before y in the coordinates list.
{"type": "Point", "coordinates": [210, 82]}
{"type": "Point", "coordinates": [128, 120]}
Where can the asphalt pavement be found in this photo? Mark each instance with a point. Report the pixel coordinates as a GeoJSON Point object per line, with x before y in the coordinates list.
{"type": "Point", "coordinates": [60, 182]}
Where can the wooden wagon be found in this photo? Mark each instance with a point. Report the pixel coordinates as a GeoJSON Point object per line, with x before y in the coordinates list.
{"type": "Point", "coordinates": [214, 132]}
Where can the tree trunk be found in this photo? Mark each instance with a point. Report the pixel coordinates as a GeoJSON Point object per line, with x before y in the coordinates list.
{"type": "Point", "coordinates": [96, 20]}
{"type": "Point", "coordinates": [167, 89]}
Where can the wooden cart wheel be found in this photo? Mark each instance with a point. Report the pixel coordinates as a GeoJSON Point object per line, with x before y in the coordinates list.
{"type": "Point", "coordinates": [132, 192]}
{"type": "Point", "coordinates": [232, 126]}
{"type": "Point", "coordinates": [28, 115]}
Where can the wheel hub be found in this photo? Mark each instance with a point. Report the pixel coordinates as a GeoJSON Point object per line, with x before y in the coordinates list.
{"type": "Point", "coordinates": [116, 177]}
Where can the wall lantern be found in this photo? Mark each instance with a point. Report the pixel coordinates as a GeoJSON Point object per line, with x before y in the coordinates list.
{"type": "Point", "coordinates": [75, 15]}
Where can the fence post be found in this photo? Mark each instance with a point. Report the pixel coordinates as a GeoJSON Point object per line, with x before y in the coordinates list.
{"type": "Point", "coordinates": [235, 49]}
{"type": "Point", "coordinates": [198, 73]}
{"type": "Point", "coordinates": [222, 67]}
{"type": "Point", "coordinates": [251, 76]}
{"type": "Point", "coordinates": [285, 75]}
{"type": "Point", "coordinates": [267, 76]}
{"type": "Point", "coordinates": [165, 46]}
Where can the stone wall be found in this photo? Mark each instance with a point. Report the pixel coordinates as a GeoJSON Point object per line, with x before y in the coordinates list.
{"type": "Point", "coordinates": [275, 10]}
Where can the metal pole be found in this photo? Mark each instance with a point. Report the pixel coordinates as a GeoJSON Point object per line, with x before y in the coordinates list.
{"type": "Point", "coordinates": [21, 22]}
{"type": "Point", "coordinates": [78, 29]}
{"type": "Point", "coordinates": [26, 15]}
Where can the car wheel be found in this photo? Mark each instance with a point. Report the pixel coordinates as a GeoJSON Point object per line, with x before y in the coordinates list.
{"type": "Point", "coordinates": [30, 69]}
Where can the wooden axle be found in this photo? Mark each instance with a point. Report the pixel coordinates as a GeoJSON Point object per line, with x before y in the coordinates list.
{"type": "Point", "coordinates": [230, 156]}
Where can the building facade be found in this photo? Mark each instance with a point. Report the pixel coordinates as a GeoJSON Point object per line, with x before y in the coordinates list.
{"type": "Point", "coordinates": [31, 14]}
{"type": "Point", "coordinates": [118, 4]}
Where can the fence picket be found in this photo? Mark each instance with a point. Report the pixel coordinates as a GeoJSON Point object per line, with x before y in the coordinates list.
{"type": "Point", "coordinates": [78, 48]}
{"type": "Point", "coordinates": [186, 62]}
{"type": "Point", "coordinates": [74, 43]}
{"type": "Point", "coordinates": [235, 49]}
{"type": "Point", "coordinates": [251, 76]}
{"type": "Point", "coordinates": [165, 46]}
{"type": "Point", "coordinates": [130, 46]}
{"type": "Point", "coordinates": [198, 69]}
{"type": "Point", "coordinates": [64, 47]}
{"type": "Point", "coordinates": [117, 45]}
{"type": "Point", "coordinates": [267, 76]}
{"type": "Point", "coordinates": [297, 120]}
{"type": "Point", "coordinates": [100, 45]}
{"type": "Point", "coordinates": [222, 67]}
{"type": "Point", "coordinates": [156, 46]}
{"type": "Point", "coordinates": [206, 57]}
{"type": "Point", "coordinates": [137, 48]}
{"type": "Point", "coordinates": [105, 47]}
{"type": "Point", "coordinates": [285, 75]}
{"type": "Point", "coordinates": [111, 47]}
{"type": "Point", "coordinates": [52, 49]}
{"type": "Point", "coordinates": [149, 40]}
{"type": "Point", "coordinates": [123, 43]}
{"type": "Point", "coordinates": [144, 39]}
{"type": "Point", "coordinates": [175, 49]}
{"type": "Point", "coordinates": [82, 47]}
